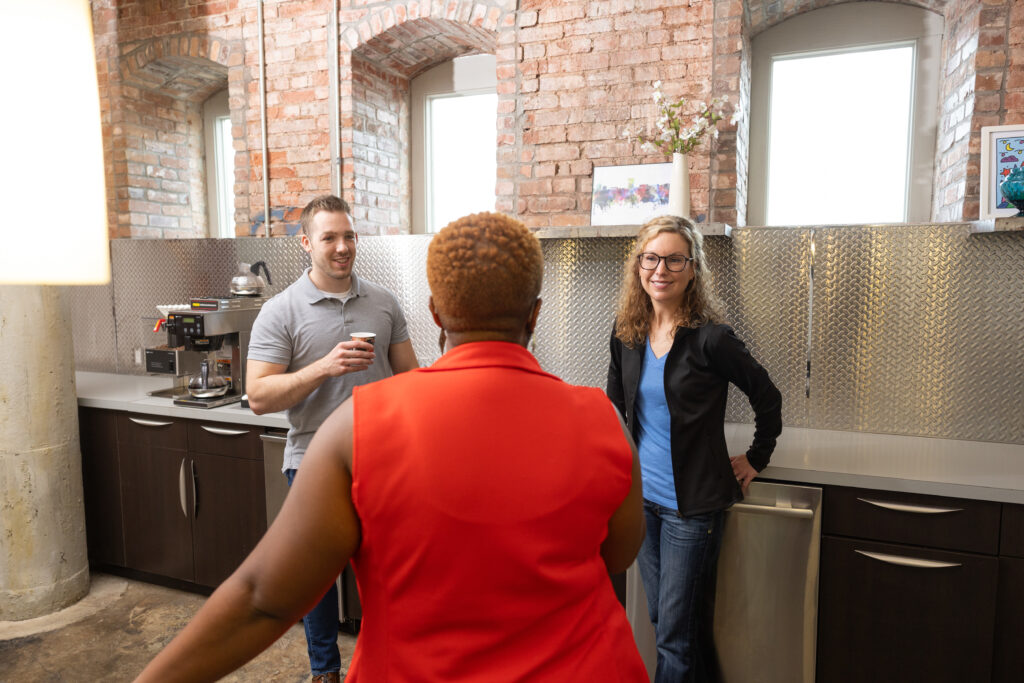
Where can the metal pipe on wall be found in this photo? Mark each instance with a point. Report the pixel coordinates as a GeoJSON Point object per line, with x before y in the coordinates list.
{"type": "Point", "coordinates": [334, 118]}
{"type": "Point", "coordinates": [263, 121]}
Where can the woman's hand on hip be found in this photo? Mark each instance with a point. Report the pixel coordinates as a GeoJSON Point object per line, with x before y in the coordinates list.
{"type": "Point", "coordinates": [743, 471]}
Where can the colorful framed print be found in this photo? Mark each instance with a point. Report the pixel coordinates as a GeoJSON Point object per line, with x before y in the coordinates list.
{"type": "Point", "coordinates": [1002, 150]}
{"type": "Point", "coordinates": [629, 195]}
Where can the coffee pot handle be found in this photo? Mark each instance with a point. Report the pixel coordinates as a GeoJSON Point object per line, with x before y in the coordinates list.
{"type": "Point", "coordinates": [255, 269]}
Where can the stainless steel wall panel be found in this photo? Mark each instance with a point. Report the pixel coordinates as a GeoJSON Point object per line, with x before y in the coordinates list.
{"type": "Point", "coordinates": [581, 283]}
{"type": "Point", "coordinates": [92, 326]}
{"type": "Point", "coordinates": [399, 263]}
{"type": "Point", "coordinates": [917, 330]}
{"type": "Point", "coordinates": [148, 273]}
{"type": "Point", "coordinates": [765, 291]}
{"type": "Point", "coordinates": [285, 258]}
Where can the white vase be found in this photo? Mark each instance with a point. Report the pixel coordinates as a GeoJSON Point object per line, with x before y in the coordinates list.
{"type": "Point", "coordinates": [679, 188]}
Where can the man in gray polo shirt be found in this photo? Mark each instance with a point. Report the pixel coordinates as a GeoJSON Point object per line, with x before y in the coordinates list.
{"type": "Point", "coordinates": [301, 359]}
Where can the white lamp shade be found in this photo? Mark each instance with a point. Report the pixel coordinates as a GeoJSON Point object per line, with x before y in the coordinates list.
{"type": "Point", "coordinates": [54, 227]}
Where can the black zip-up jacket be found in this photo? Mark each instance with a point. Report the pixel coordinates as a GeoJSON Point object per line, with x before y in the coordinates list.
{"type": "Point", "coordinates": [699, 367]}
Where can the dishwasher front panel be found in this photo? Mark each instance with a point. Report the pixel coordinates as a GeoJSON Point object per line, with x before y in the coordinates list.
{"type": "Point", "coordinates": [766, 604]}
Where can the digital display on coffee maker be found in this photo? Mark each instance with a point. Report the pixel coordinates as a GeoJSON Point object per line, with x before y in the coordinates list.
{"type": "Point", "coordinates": [188, 325]}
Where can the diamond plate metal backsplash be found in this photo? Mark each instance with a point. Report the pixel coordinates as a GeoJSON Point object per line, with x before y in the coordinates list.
{"type": "Point", "coordinates": [918, 330]}
{"type": "Point", "coordinates": [908, 329]}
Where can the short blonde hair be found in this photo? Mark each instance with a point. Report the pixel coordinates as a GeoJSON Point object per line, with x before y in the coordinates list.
{"type": "Point", "coordinates": [698, 307]}
{"type": "Point", "coordinates": [485, 273]}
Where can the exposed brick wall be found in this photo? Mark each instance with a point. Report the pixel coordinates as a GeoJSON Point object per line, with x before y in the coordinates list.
{"type": "Point", "coordinates": [379, 149]}
{"type": "Point", "coordinates": [298, 107]}
{"type": "Point", "coordinates": [572, 76]}
{"type": "Point", "coordinates": [992, 102]}
{"type": "Point", "coordinates": [157, 63]}
{"type": "Point", "coordinates": [586, 75]}
{"type": "Point", "coordinates": [160, 179]}
{"type": "Point", "coordinates": [384, 46]}
{"type": "Point", "coordinates": [1014, 96]}
{"type": "Point", "coordinates": [958, 102]}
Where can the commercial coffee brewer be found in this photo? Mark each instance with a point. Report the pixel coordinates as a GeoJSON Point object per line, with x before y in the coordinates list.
{"type": "Point", "coordinates": [210, 333]}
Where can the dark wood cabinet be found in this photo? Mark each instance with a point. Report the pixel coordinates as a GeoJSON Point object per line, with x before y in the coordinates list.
{"type": "Point", "coordinates": [101, 487]}
{"type": "Point", "coordinates": [187, 496]}
{"type": "Point", "coordinates": [1008, 662]}
{"type": "Point", "coordinates": [903, 613]}
{"type": "Point", "coordinates": [1011, 543]}
{"type": "Point", "coordinates": [228, 521]}
{"type": "Point", "coordinates": [908, 587]}
{"type": "Point", "coordinates": [158, 523]}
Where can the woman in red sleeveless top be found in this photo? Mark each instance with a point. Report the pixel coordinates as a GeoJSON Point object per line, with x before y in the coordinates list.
{"type": "Point", "coordinates": [483, 503]}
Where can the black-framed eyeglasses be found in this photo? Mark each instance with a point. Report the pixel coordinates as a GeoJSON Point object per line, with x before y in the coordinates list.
{"type": "Point", "coordinates": [674, 262]}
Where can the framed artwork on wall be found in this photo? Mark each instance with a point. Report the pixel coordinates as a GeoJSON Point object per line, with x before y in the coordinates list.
{"type": "Point", "coordinates": [1002, 150]}
{"type": "Point", "coordinates": [629, 195]}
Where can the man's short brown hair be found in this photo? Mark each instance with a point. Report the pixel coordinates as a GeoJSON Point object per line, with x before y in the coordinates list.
{"type": "Point", "coordinates": [485, 273]}
{"type": "Point", "coordinates": [325, 202]}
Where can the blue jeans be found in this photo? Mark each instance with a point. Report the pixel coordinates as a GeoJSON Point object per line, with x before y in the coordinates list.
{"type": "Point", "coordinates": [678, 564]}
{"type": "Point", "coordinates": [321, 626]}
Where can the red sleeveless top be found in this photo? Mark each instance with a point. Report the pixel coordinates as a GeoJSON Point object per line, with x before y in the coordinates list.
{"type": "Point", "coordinates": [484, 487]}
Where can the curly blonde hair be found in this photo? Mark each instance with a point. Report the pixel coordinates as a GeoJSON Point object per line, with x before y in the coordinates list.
{"type": "Point", "coordinates": [698, 307]}
{"type": "Point", "coordinates": [485, 273]}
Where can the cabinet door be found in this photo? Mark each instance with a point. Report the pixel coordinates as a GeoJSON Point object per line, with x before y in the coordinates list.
{"type": "Point", "coordinates": [880, 620]}
{"type": "Point", "coordinates": [230, 514]}
{"type": "Point", "coordinates": [1009, 656]}
{"type": "Point", "coordinates": [101, 487]}
{"type": "Point", "coordinates": [157, 519]}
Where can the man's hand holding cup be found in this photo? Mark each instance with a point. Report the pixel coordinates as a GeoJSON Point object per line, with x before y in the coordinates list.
{"type": "Point", "coordinates": [354, 355]}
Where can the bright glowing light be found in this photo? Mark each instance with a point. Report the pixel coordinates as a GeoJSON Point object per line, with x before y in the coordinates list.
{"type": "Point", "coordinates": [54, 228]}
{"type": "Point", "coordinates": [839, 140]}
{"type": "Point", "coordinates": [462, 153]}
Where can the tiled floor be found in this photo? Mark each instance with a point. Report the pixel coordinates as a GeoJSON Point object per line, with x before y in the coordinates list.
{"type": "Point", "coordinates": [112, 633]}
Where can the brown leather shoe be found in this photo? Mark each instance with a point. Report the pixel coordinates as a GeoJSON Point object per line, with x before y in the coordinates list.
{"type": "Point", "coordinates": [330, 677]}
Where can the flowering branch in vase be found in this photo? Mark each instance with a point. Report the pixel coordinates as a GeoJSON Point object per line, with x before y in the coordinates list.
{"type": "Point", "coordinates": [674, 132]}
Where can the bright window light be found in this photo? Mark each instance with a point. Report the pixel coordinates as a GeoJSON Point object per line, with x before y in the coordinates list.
{"type": "Point", "coordinates": [839, 137]}
{"type": "Point", "coordinates": [461, 156]}
{"type": "Point", "coordinates": [225, 159]}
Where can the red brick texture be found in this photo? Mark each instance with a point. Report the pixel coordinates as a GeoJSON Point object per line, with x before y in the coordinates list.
{"type": "Point", "coordinates": [572, 76]}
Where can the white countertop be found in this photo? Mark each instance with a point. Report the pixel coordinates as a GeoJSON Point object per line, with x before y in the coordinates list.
{"type": "Point", "coordinates": [942, 467]}
{"type": "Point", "coordinates": [129, 393]}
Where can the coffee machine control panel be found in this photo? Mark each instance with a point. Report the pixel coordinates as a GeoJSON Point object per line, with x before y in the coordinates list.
{"type": "Point", "coordinates": [186, 324]}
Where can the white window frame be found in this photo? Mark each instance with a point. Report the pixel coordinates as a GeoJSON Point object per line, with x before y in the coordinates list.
{"type": "Point", "coordinates": [469, 75]}
{"type": "Point", "coordinates": [220, 182]}
{"type": "Point", "coordinates": [848, 27]}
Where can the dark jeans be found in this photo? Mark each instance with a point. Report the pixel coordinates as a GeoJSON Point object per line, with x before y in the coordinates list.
{"type": "Point", "coordinates": [678, 564]}
{"type": "Point", "coordinates": [321, 626]}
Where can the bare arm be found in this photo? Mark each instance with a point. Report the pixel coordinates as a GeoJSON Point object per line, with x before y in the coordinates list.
{"type": "Point", "coordinates": [271, 388]}
{"type": "Point", "coordinates": [627, 527]}
{"type": "Point", "coordinates": [281, 580]}
{"type": "Point", "coordinates": [402, 357]}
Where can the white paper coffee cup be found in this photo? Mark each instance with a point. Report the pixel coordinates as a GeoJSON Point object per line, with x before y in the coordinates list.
{"type": "Point", "coordinates": [368, 337]}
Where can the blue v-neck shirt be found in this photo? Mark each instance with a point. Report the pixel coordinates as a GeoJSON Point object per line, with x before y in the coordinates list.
{"type": "Point", "coordinates": [654, 440]}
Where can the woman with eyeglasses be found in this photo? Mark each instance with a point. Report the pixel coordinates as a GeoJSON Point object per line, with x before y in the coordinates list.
{"type": "Point", "coordinates": [672, 360]}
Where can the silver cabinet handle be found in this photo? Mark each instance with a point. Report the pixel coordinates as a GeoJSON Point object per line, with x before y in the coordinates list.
{"type": "Point", "coordinates": [802, 513]}
{"type": "Point", "coordinates": [181, 488]}
{"type": "Point", "coordinates": [195, 498]}
{"type": "Point", "coordinates": [916, 509]}
{"type": "Point", "coordinates": [225, 432]}
{"type": "Point", "coordinates": [907, 561]}
{"type": "Point", "coordinates": [274, 438]}
{"type": "Point", "coordinates": [150, 423]}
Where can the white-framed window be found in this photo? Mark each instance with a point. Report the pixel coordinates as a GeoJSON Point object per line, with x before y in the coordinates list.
{"type": "Point", "coordinates": [453, 141]}
{"type": "Point", "coordinates": [844, 107]}
{"type": "Point", "coordinates": [220, 166]}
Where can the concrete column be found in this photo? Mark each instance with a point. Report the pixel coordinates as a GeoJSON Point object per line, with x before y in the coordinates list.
{"type": "Point", "coordinates": [43, 563]}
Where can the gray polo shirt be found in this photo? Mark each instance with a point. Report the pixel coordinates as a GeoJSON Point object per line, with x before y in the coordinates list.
{"type": "Point", "coordinates": [301, 325]}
